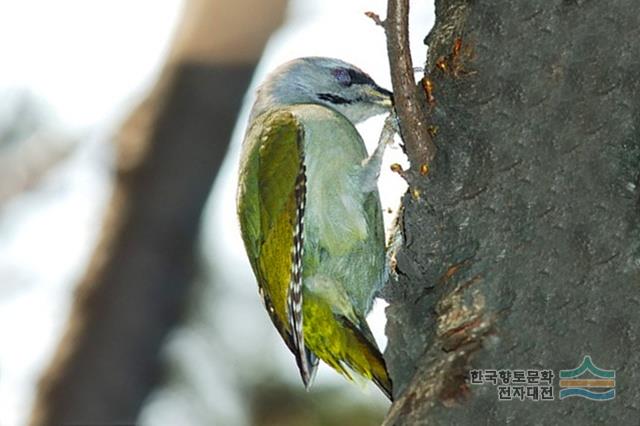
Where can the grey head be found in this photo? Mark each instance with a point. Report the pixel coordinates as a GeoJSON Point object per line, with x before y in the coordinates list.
{"type": "Point", "coordinates": [324, 81]}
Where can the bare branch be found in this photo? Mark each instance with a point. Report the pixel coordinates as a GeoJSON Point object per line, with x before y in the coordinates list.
{"type": "Point", "coordinates": [410, 103]}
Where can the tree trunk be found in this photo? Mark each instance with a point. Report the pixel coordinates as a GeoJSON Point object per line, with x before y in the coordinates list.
{"type": "Point", "coordinates": [522, 243]}
{"type": "Point", "coordinates": [169, 151]}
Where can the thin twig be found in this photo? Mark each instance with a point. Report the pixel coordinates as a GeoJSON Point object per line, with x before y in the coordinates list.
{"type": "Point", "coordinates": [375, 18]}
{"type": "Point", "coordinates": [410, 106]}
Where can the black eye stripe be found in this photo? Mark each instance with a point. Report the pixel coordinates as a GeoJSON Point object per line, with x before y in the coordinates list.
{"type": "Point", "coordinates": [334, 99]}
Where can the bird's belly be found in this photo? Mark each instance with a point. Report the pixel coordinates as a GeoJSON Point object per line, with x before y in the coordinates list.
{"type": "Point", "coordinates": [344, 237]}
{"type": "Point", "coordinates": [343, 230]}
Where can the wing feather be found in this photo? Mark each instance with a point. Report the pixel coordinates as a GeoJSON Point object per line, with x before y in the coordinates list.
{"type": "Point", "coordinates": [271, 203]}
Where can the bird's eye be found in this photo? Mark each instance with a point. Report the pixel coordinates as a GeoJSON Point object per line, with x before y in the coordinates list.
{"type": "Point", "coordinates": [343, 77]}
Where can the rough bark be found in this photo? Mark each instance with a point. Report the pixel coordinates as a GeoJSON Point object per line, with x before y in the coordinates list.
{"type": "Point", "coordinates": [522, 245]}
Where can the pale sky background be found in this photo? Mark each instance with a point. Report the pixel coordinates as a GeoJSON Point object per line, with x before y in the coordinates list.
{"type": "Point", "coordinates": [90, 62]}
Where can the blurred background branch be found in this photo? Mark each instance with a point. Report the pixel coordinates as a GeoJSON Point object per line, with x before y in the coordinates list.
{"type": "Point", "coordinates": [169, 151]}
{"type": "Point", "coordinates": [30, 145]}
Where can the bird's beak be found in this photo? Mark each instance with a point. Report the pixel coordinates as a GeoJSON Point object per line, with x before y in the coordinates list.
{"type": "Point", "coordinates": [380, 96]}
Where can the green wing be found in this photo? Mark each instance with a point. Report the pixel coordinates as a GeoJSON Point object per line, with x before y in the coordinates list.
{"type": "Point", "coordinates": [268, 205]}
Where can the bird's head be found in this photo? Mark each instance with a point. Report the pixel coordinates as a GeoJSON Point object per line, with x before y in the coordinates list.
{"type": "Point", "coordinates": [325, 81]}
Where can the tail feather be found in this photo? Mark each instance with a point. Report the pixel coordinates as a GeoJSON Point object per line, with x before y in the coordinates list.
{"type": "Point", "coordinates": [307, 366]}
{"type": "Point", "coordinates": [369, 361]}
{"type": "Point", "coordinates": [307, 361]}
{"type": "Point", "coordinates": [345, 343]}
